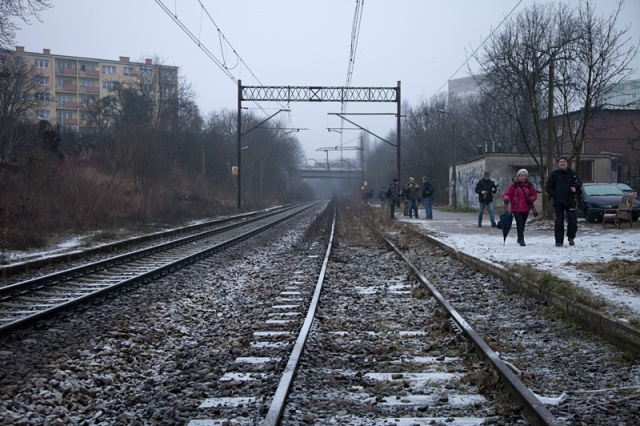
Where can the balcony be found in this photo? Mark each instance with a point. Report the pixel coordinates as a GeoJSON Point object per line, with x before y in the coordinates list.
{"type": "Point", "coordinates": [66, 88]}
{"type": "Point", "coordinates": [67, 104]}
{"type": "Point", "coordinates": [70, 121]}
{"type": "Point", "coordinates": [66, 71]}
{"type": "Point", "coordinates": [89, 73]}
{"type": "Point", "coordinates": [89, 89]}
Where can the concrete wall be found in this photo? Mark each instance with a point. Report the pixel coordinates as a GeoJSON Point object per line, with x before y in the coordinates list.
{"type": "Point", "coordinates": [503, 168]}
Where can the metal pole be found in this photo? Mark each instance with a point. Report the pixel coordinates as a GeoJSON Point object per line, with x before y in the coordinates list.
{"type": "Point", "coordinates": [550, 125]}
{"type": "Point", "coordinates": [362, 159]}
{"type": "Point", "coordinates": [454, 196]}
{"type": "Point", "coordinates": [399, 151]}
{"type": "Point", "coordinates": [239, 148]}
{"type": "Point", "coordinates": [454, 192]}
{"type": "Point", "coordinates": [204, 173]}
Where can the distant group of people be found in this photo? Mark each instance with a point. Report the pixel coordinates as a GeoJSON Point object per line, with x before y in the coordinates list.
{"type": "Point", "coordinates": [563, 186]}
{"type": "Point", "coordinates": [412, 194]}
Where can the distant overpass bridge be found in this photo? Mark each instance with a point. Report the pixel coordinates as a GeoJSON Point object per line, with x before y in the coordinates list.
{"type": "Point", "coordinates": [316, 172]}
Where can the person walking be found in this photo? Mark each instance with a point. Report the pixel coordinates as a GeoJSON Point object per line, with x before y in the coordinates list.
{"type": "Point", "coordinates": [427, 196]}
{"type": "Point", "coordinates": [412, 191]}
{"type": "Point", "coordinates": [520, 195]}
{"type": "Point", "coordinates": [382, 195]}
{"type": "Point", "coordinates": [563, 185]}
{"type": "Point", "coordinates": [392, 197]}
{"type": "Point", "coordinates": [485, 188]}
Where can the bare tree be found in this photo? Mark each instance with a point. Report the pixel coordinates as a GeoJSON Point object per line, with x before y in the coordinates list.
{"type": "Point", "coordinates": [518, 67]}
{"type": "Point", "coordinates": [601, 56]}
{"type": "Point", "coordinates": [17, 9]}
{"type": "Point", "coordinates": [22, 89]}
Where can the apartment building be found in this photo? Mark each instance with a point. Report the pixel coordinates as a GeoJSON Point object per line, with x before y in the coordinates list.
{"type": "Point", "coordinates": [73, 83]}
{"type": "Point", "coordinates": [624, 95]}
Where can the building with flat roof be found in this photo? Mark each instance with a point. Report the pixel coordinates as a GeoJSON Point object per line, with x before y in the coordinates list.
{"type": "Point", "coordinates": [71, 84]}
{"type": "Point", "coordinates": [624, 95]}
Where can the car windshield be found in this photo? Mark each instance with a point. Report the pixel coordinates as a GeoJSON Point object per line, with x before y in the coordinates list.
{"type": "Point", "coordinates": [602, 190]}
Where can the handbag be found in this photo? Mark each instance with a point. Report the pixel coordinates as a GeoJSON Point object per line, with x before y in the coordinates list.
{"type": "Point", "coordinates": [533, 207]}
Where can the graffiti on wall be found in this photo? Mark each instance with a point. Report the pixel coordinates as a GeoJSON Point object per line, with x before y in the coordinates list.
{"type": "Point", "coordinates": [469, 178]}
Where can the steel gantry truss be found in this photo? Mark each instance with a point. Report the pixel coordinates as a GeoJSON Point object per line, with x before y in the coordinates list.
{"type": "Point", "coordinates": [316, 94]}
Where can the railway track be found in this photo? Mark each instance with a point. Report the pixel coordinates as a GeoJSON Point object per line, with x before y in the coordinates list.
{"type": "Point", "coordinates": [35, 300]}
{"type": "Point", "coordinates": [366, 362]}
{"type": "Point", "coordinates": [217, 343]}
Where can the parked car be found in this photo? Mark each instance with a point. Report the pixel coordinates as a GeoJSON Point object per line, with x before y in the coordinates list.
{"type": "Point", "coordinates": [627, 189]}
{"type": "Point", "coordinates": [598, 197]}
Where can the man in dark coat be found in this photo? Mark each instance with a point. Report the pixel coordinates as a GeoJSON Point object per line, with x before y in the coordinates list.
{"type": "Point", "coordinates": [427, 196]}
{"type": "Point", "coordinates": [392, 197]}
{"type": "Point", "coordinates": [485, 188]}
{"type": "Point", "coordinates": [412, 192]}
{"type": "Point", "coordinates": [563, 185]}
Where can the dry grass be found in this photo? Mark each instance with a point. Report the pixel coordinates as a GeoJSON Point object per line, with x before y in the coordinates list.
{"type": "Point", "coordinates": [47, 202]}
{"type": "Point", "coordinates": [549, 282]}
{"type": "Point", "coordinates": [625, 273]}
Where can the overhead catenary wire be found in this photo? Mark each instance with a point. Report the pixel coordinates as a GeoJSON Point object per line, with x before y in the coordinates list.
{"type": "Point", "coordinates": [220, 63]}
{"type": "Point", "coordinates": [478, 48]}
{"type": "Point", "coordinates": [355, 34]}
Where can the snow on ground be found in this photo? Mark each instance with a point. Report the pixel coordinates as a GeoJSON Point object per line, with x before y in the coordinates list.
{"type": "Point", "coordinates": [594, 243]}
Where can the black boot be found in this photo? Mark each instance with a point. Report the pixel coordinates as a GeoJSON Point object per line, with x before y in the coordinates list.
{"type": "Point", "coordinates": [521, 241]}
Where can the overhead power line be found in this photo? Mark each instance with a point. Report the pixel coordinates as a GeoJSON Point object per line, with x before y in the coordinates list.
{"type": "Point", "coordinates": [224, 42]}
{"type": "Point", "coordinates": [355, 34]}
{"type": "Point", "coordinates": [478, 48]}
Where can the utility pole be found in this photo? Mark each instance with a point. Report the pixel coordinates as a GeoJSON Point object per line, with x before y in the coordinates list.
{"type": "Point", "coordinates": [454, 181]}
{"type": "Point", "coordinates": [550, 125]}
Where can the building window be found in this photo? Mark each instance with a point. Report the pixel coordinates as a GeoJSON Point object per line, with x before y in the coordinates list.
{"type": "Point", "coordinates": [42, 80]}
{"type": "Point", "coordinates": [87, 83]}
{"type": "Point", "coordinates": [576, 126]}
{"type": "Point", "coordinates": [109, 69]}
{"type": "Point", "coordinates": [65, 114]}
{"type": "Point", "coordinates": [128, 71]}
{"type": "Point", "coordinates": [65, 64]}
{"type": "Point", "coordinates": [167, 74]}
{"type": "Point", "coordinates": [109, 85]}
{"type": "Point", "coordinates": [88, 100]}
{"type": "Point", "coordinates": [43, 97]}
{"type": "Point", "coordinates": [43, 114]}
{"type": "Point", "coordinates": [64, 98]}
{"type": "Point", "coordinates": [146, 72]}
{"type": "Point", "coordinates": [88, 67]}
{"type": "Point", "coordinates": [41, 63]}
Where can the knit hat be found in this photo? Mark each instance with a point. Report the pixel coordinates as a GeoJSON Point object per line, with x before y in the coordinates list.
{"type": "Point", "coordinates": [563, 158]}
{"type": "Point", "coordinates": [522, 171]}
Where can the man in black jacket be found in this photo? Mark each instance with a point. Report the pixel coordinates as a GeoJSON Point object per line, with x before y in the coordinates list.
{"type": "Point", "coordinates": [392, 197]}
{"type": "Point", "coordinates": [485, 188]}
{"type": "Point", "coordinates": [427, 196]}
{"type": "Point", "coordinates": [563, 185]}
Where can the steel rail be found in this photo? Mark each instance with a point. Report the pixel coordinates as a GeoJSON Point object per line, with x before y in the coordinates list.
{"type": "Point", "coordinates": [24, 287]}
{"type": "Point", "coordinates": [278, 402]}
{"type": "Point", "coordinates": [144, 277]}
{"type": "Point", "coordinates": [534, 410]}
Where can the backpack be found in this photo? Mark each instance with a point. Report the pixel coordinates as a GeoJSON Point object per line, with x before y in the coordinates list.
{"type": "Point", "coordinates": [428, 190]}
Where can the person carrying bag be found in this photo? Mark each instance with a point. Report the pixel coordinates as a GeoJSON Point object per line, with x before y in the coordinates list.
{"type": "Point", "coordinates": [520, 196]}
